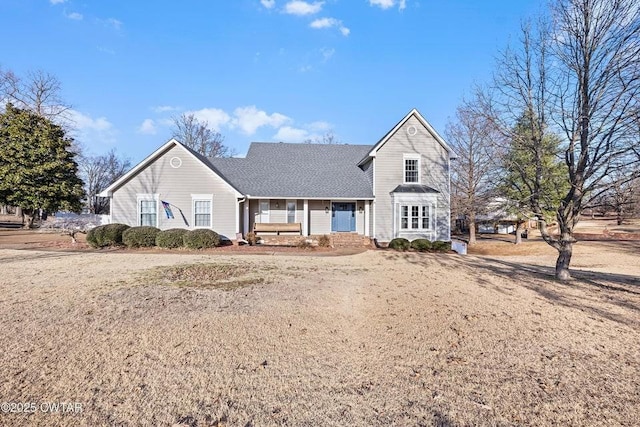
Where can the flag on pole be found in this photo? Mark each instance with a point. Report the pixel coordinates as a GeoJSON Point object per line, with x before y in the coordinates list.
{"type": "Point", "coordinates": [167, 209]}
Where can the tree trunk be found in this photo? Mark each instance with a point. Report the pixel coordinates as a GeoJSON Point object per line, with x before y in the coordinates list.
{"type": "Point", "coordinates": [620, 216]}
{"type": "Point", "coordinates": [472, 229]}
{"type": "Point", "coordinates": [564, 259]}
{"type": "Point", "coordinates": [27, 218]}
{"type": "Point", "coordinates": [519, 225]}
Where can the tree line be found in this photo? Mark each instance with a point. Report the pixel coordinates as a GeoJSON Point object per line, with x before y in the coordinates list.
{"type": "Point", "coordinates": [556, 131]}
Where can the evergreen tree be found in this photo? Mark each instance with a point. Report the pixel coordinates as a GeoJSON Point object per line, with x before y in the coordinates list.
{"type": "Point", "coordinates": [534, 179]}
{"type": "Point", "coordinates": [37, 167]}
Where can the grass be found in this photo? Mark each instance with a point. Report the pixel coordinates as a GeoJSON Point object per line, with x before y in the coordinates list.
{"type": "Point", "coordinates": [226, 277]}
{"type": "Point", "coordinates": [377, 338]}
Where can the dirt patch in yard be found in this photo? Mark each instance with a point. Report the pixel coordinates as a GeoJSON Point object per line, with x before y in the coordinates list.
{"type": "Point", "coordinates": [375, 338]}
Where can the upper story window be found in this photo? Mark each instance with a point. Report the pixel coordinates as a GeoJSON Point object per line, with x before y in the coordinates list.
{"type": "Point", "coordinates": [411, 169]}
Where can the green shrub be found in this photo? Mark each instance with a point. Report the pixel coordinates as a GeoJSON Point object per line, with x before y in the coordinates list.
{"type": "Point", "coordinates": [400, 244]}
{"type": "Point", "coordinates": [324, 241]}
{"type": "Point", "coordinates": [172, 238]}
{"type": "Point", "coordinates": [106, 235]}
{"type": "Point", "coordinates": [440, 246]}
{"type": "Point", "coordinates": [140, 237]}
{"type": "Point", "coordinates": [201, 239]}
{"type": "Point", "coordinates": [421, 245]}
{"type": "Point", "coordinates": [92, 238]}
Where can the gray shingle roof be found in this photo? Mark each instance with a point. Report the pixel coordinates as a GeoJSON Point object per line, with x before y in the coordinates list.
{"type": "Point", "coordinates": [298, 171]}
{"type": "Point", "coordinates": [414, 188]}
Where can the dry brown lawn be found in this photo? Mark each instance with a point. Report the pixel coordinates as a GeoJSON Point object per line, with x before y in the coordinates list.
{"type": "Point", "coordinates": [376, 338]}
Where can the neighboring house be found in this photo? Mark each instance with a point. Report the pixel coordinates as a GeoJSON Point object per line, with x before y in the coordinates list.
{"type": "Point", "coordinates": [398, 187]}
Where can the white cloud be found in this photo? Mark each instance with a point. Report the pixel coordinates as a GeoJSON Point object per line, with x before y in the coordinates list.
{"type": "Point", "coordinates": [89, 130]}
{"type": "Point", "coordinates": [148, 127]}
{"type": "Point", "coordinates": [320, 126]}
{"type": "Point", "coordinates": [57, 1]}
{"type": "Point", "coordinates": [75, 16]}
{"type": "Point", "coordinates": [106, 50]}
{"type": "Point", "coordinates": [269, 4]}
{"type": "Point", "coordinates": [386, 4]}
{"type": "Point", "coordinates": [330, 23]}
{"type": "Point", "coordinates": [291, 134]}
{"type": "Point", "coordinates": [327, 53]}
{"type": "Point", "coordinates": [249, 119]}
{"type": "Point", "coordinates": [324, 23]}
{"type": "Point", "coordinates": [215, 117]}
{"type": "Point", "coordinates": [164, 109]}
{"type": "Point", "coordinates": [112, 22]}
{"type": "Point", "coordinates": [300, 8]}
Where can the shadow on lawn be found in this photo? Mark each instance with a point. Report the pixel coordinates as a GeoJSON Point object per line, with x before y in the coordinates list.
{"type": "Point", "coordinates": [601, 294]}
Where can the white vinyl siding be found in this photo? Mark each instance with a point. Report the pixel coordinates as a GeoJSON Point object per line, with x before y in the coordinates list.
{"type": "Point", "coordinates": [389, 173]}
{"type": "Point", "coordinates": [176, 186]}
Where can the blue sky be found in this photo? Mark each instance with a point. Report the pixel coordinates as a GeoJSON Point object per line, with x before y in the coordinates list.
{"type": "Point", "coordinates": [257, 70]}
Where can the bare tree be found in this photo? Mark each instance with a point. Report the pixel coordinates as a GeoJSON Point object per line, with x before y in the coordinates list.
{"type": "Point", "coordinates": [597, 49]}
{"type": "Point", "coordinates": [621, 194]}
{"type": "Point", "coordinates": [470, 136]}
{"type": "Point", "coordinates": [581, 76]}
{"type": "Point", "coordinates": [98, 172]}
{"type": "Point", "coordinates": [327, 138]}
{"type": "Point", "coordinates": [517, 103]}
{"type": "Point", "coordinates": [198, 136]}
{"type": "Point", "coordinates": [39, 92]}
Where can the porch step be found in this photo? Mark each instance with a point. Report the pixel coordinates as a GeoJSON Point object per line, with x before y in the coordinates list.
{"type": "Point", "coordinates": [349, 240]}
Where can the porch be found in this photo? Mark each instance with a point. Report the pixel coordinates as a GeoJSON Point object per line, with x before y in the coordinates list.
{"type": "Point", "coordinates": [315, 217]}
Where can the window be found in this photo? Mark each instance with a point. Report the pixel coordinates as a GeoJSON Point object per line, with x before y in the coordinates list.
{"type": "Point", "coordinates": [291, 212]}
{"type": "Point", "coordinates": [412, 170]}
{"type": "Point", "coordinates": [415, 217]}
{"type": "Point", "coordinates": [264, 211]}
{"type": "Point", "coordinates": [202, 205]}
{"type": "Point", "coordinates": [425, 217]}
{"type": "Point", "coordinates": [148, 212]}
{"type": "Point", "coordinates": [404, 217]}
{"type": "Point", "coordinates": [202, 213]}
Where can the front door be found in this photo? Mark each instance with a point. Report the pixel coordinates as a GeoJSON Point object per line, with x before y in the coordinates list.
{"type": "Point", "coordinates": [343, 217]}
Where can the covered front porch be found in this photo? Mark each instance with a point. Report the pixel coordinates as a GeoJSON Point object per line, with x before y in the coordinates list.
{"type": "Point", "coordinates": [305, 217]}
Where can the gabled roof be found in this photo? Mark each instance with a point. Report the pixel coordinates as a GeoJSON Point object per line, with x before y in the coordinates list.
{"type": "Point", "coordinates": [313, 171]}
{"type": "Point", "coordinates": [413, 113]}
{"type": "Point", "coordinates": [154, 156]}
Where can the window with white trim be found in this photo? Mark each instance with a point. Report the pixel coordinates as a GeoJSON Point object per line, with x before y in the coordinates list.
{"type": "Point", "coordinates": [202, 210]}
{"type": "Point", "coordinates": [411, 169]}
{"type": "Point", "coordinates": [291, 212]}
{"type": "Point", "coordinates": [148, 209]}
{"type": "Point", "coordinates": [202, 213]}
{"type": "Point", "coordinates": [415, 217]}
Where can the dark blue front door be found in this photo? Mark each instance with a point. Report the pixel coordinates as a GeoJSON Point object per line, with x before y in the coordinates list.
{"type": "Point", "coordinates": [343, 217]}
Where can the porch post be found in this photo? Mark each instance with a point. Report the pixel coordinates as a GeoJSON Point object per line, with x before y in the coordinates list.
{"type": "Point", "coordinates": [246, 217]}
{"type": "Point", "coordinates": [366, 218]}
{"type": "Point", "coordinates": [305, 218]}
